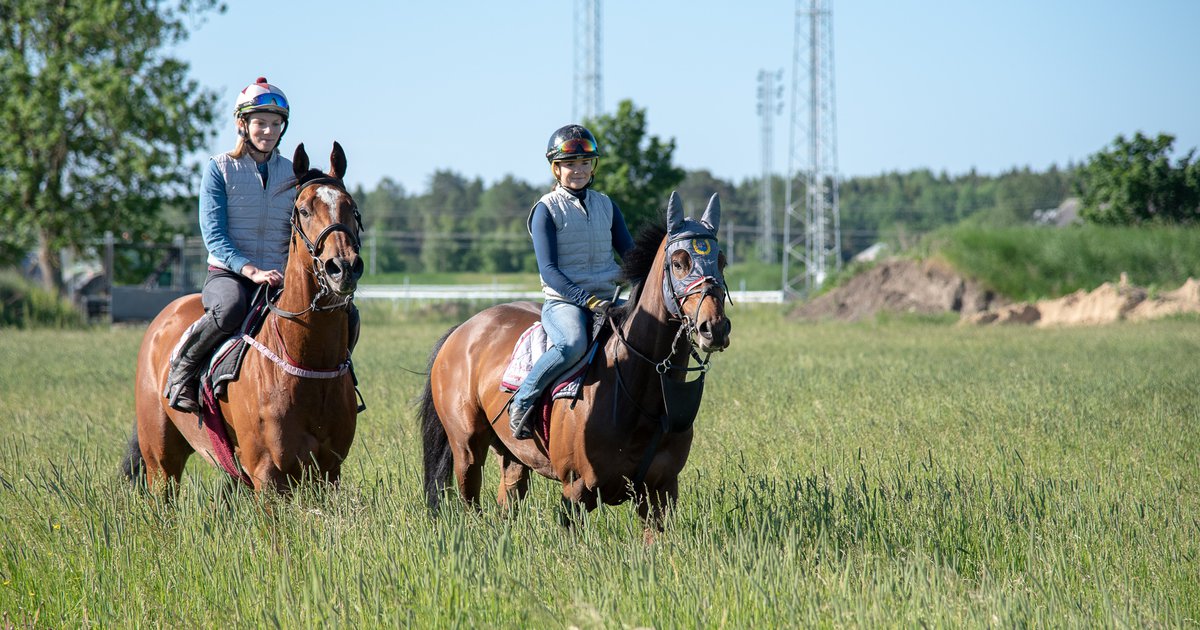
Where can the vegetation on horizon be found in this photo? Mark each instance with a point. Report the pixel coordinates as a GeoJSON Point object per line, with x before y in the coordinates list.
{"type": "Point", "coordinates": [1032, 263]}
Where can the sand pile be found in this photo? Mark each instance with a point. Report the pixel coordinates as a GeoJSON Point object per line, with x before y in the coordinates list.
{"type": "Point", "coordinates": [930, 288]}
{"type": "Point", "coordinates": [901, 286]}
{"type": "Point", "coordinates": [1105, 304]}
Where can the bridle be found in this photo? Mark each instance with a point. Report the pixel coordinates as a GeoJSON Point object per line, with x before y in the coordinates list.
{"type": "Point", "coordinates": [314, 247]}
{"type": "Point", "coordinates": [681, 398]}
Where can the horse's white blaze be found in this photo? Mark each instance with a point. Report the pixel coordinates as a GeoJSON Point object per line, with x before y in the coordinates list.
{"type": "Point", "coordinates": [329, 195]}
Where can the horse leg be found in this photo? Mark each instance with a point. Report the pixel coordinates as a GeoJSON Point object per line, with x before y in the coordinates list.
{"type": "Point", "coordinates": [514, 477]}
{"type": "Point", "coordinates": [577, 500]}
{"type": "Point", "coordinates": [164, 449]}
{"type": "Point", "coordinates": [468, 466]}
{"type": "Point", "coordinates": [654, 504]}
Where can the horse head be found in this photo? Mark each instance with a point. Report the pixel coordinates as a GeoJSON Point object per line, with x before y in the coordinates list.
{"type": "Point", "coordinates": [694, 288]}
{"type": "Point", "coordinates": [327, 220]}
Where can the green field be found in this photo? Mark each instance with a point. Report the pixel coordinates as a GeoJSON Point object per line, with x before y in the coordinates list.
{"type": "Point", "coordinates": [893, 473]}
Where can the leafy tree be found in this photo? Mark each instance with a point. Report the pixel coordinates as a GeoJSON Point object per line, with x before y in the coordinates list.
{"type": "Point", "coordinates": [636, 169]}
{"type": "Point", "coordinates": [387, 215]}
{"type": "Point", "coordinates": [502, 218]}
{"type": "Point", "coordinates": [95, 121]}
{"type": "Point", "coordinates": [444, 210]}
{"type": "Point", "coordinates": [1134, 182]}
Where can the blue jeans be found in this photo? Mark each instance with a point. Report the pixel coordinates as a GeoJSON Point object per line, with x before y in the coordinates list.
{"type": "Point", "coordinates": [567, 327]}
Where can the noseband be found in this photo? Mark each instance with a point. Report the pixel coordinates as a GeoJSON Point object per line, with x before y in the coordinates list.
{"type": "Point", "coordinates": [324, 284]}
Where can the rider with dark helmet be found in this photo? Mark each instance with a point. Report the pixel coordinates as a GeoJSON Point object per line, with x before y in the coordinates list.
{"type": "Point", "coordinates": [246, 199]}
{"type": "Point", "coordinates": [575, 230]}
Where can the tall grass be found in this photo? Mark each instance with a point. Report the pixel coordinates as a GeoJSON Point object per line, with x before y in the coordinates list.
{"type": "Point", "coordinates": [1030, 263]}
{"type": "Point", "coordinates": [878, 474]}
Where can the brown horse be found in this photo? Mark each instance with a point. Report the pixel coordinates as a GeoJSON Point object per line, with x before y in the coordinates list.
{"type": "Point", "coordinates": [287, 418]}
{"type": "Point", "coordinates": [629, 434]}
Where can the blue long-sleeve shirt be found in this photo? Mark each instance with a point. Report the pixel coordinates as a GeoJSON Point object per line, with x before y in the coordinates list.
{"type": "Point", "coordinates": [545, 247]}
{"type": "Point", "coordinates": [214, 217]}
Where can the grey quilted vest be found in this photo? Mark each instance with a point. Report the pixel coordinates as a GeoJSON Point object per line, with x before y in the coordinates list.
{"type": "Point", "coordinates": [259, 218]}
{"type": "Point", "coordinates": [585, 252]}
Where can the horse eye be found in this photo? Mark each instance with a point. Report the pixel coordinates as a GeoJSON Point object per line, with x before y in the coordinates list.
{"type": "Point", "coordinates": [303, 210]}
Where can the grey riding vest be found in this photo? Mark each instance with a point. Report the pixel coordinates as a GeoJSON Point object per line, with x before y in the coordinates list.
{"type": "Point", "coordinates": [259, 217]}
{"type": "Point", "coordinates": [585, 251]}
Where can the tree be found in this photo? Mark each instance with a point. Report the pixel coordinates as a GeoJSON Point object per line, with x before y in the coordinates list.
{"type": "Point", "coordinates": [95, 121]}
{"type": "Point", "coordinates": [635, 170]}
{"type": "Point", "coordinates": [1134, 182]}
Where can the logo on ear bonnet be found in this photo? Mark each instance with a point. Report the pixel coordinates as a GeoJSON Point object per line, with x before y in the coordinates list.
{"type": "Point", "coordinates": [702, 246]}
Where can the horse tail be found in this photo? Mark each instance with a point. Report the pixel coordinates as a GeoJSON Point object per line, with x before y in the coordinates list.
{"type": "Point", "coordinates": [435, 444]}
{"type": "Point", "coordinates": [133, 466]}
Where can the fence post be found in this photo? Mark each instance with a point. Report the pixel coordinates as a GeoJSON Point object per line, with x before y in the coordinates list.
{"type": "Point", "coordinates": [109, 270]}
{"type": "Point", "coordinates": [374, 250]}
{"type": "Point", "coordinates": [180, 280]}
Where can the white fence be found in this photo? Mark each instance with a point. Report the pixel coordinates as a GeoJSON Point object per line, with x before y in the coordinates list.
{"type": "Point", "coordinates": [502, 293]}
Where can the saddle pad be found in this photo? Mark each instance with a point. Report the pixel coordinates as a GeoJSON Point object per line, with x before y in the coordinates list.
{"type": "Point", "coordinates": [227, 359]}
{"type": "Point", "coordinates": [530, 346]}
{"type": "Point", "coordinates": [225, 364]}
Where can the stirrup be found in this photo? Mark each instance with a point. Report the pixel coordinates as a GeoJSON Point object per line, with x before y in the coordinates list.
{"type": "Point", "coordinates": [521, 427]}
{"type": "Point", "coordinates": [184, 397]}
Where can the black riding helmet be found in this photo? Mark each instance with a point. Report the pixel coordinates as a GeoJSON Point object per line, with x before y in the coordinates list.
{"type": "Point", "coordinates": [572, 142]}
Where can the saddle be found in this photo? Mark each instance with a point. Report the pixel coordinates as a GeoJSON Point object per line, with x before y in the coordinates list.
{"type": "Point", "coordinates": [226, 360]}
{"type": "Point", "coordinates": [530, 346]}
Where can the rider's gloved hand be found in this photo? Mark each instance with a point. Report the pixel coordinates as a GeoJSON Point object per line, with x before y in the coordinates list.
{"type": "Point", "coordinates": [598, 306]}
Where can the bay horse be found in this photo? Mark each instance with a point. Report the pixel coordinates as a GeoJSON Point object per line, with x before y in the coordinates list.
{"type": "Point", "coordinates": [288, 415]}
{"type": "Point", "coordinates": [629, 433]}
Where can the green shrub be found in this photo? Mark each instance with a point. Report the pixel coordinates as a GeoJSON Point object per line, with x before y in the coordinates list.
{"type": "Point", "coordinates": [24, 305]}
{"type": "Point", "coordinates": [1030, 263]}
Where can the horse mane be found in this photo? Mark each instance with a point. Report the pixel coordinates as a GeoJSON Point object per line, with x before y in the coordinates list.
{"type": "Point", "coordinates": [636, 264]}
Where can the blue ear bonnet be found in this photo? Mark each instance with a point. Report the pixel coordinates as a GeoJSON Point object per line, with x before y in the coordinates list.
{"type": "Point", "coordinates": [701, 245]}
{"type": "Point", "coordinates": [699, 240]}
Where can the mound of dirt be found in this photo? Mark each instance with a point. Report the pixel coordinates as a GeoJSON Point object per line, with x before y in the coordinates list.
{"type": "Point", "coordinates": [1106, 304]}
{"type": "Point", "coordinates": [901, 286]}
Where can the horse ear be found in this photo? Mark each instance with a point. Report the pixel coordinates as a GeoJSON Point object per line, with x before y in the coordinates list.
{"type": "Point", "coordinates": [674, 213]}
{"type": "Point", "coordinates": [712, 214]}
{"type": "Point", "coordinates": [300, 161]}
{"type": "Point", "coordinates": [337, 161]}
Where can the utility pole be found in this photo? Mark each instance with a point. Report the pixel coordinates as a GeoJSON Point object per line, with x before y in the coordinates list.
{"type": "Point", "coordinates": [812, 232]}
{"type": "Point", "coordinates": [770, 105]}
{"type": "Point", "coordinates": [587, 98]}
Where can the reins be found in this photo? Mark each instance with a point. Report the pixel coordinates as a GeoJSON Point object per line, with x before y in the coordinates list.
{"type": "Point", "coordinates": [681, 399]}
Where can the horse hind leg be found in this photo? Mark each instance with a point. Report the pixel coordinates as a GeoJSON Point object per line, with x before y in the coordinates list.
{"type": "Point", "coordinates": [514, 478]}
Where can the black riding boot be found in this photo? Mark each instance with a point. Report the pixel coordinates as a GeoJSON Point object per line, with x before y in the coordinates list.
{"type": "Point", "coordinates": [182, 389]}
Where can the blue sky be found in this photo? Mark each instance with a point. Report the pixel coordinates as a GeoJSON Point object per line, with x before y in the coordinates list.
{"type": "Point", "coordinates": [478, 87]}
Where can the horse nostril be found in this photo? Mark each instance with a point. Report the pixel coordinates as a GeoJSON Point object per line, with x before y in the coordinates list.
{"type": "Point", "coordinates": [332, 268]}
{"type": "Point", "coordinates": [706, 329]}
{"type": "Point", "coordinates": [356, 269]}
